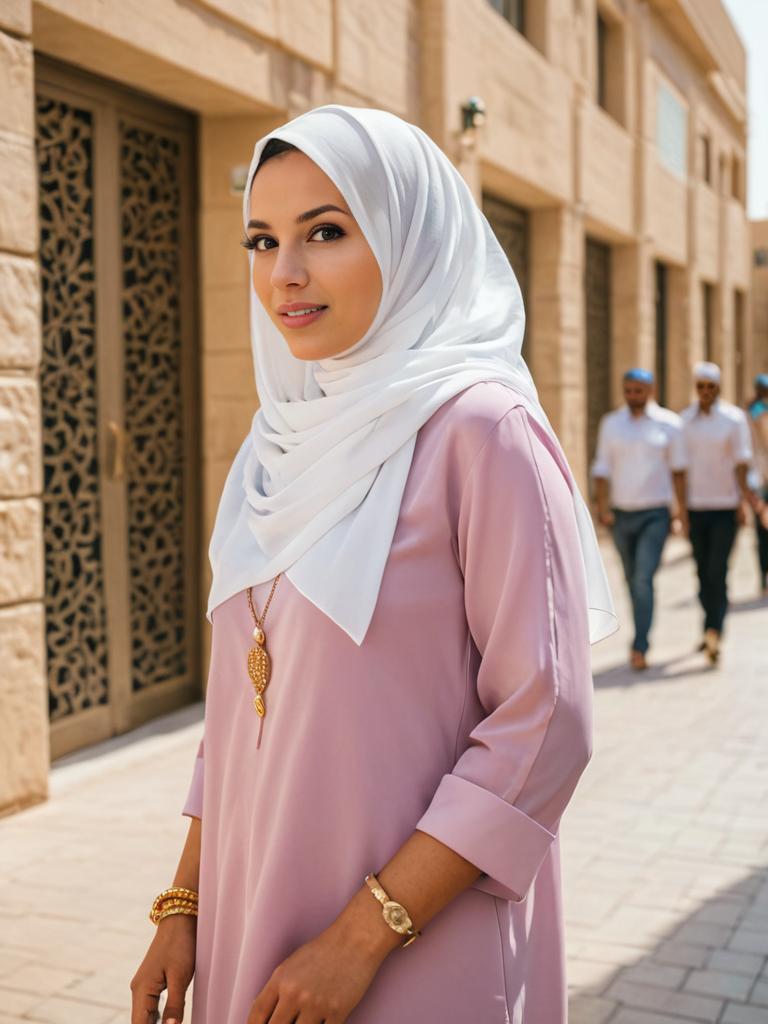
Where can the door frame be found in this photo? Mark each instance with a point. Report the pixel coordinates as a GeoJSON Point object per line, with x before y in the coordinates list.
{"type": "Point", "coordinates": [107, 102]}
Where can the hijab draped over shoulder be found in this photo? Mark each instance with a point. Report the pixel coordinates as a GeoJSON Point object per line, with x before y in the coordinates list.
{"type": "Point", "coordinates": [316, 486]}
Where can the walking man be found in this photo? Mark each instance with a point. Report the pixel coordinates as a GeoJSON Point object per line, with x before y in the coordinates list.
{"type": "Point", "coordinates": [719, 454]}
{"type": "Point", "coordinates": [640, 458]}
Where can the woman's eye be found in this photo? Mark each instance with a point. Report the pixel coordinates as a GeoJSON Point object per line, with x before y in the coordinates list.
{"type": "Point", "coordinates": [261, 243]}
{"type": "Point", "coordinates": [326, 233]}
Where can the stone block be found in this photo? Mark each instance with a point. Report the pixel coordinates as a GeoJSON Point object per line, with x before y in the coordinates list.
{"type": "Point", "coordinates": [20, 334]}
{"type": "Point", "coordinates": [20, 441]}
{"type": "Point", "coordinates": [21, 551]}
{"type": "Point", "coordinates": [16, 16]}
{"type": "Point", "coordinates": [225, 318]}
{"type": "Point", "coordinates": [228, 375]}
{"type": "Point", "coordinates": [223, 260]}
{"type": "Point", "coordinates": [17, 86]}
{"type": "Point", "coordinates": [24, 756]}
{"type": "Point", "coordinates": [18, 194]}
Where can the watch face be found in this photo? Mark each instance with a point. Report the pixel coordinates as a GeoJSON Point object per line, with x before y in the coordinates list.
{"type": "Point", "coordinates": [396, 917]}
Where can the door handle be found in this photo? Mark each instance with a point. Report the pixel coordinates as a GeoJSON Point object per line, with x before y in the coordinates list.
{"type": "Point", "coordinates": [116, 451]}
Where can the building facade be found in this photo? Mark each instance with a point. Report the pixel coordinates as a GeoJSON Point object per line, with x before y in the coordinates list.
{"type": "Point", "coordinates": [759, 339]}
{"type": "Point", "coordinates": [611, 164]}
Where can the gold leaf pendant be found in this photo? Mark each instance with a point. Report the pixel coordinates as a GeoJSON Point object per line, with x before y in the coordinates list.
{"type": "Point", "coordinates": [259, 669]}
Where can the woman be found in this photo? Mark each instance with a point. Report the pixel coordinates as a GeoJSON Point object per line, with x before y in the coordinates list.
{"type": "Point", "coordinates": [400, 531]}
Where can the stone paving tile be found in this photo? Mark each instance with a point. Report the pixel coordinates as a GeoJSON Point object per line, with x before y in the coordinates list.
{"type": "Point", "coordinates": [749, 964]}
{"type": "Point", "coordinates": [759, 994]}
{"type": "Point", "coordinates": [719, 983]}
{"type": "Point", "coordinates": [41, 979]}
{"type": "Point", "coordinates": [15, 1002]}
{"type": "Point", "coordinates": [737, 1013]}
{"type": "Point", "coordinates": [57, 1010]}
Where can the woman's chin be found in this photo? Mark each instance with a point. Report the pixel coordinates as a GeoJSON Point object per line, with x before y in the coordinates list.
{"type": "Point", "coordinates": [311, 350]}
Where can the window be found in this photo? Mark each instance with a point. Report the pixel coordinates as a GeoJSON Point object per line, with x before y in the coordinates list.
{"type": "Point", "coordinates": [761, 257]}
{"type": "Point", "coordinates": [610, 87]}
{"type": "Point", "coordinates": [513, 11]}
{"type": "Point", "coordinates": [736, 179]}
{"type": "Point", "coordinates": [706, 159]}
{"type": "Point", "coordinates": [660, 361]}
{"type": "Point", "coordinates": [708, 317]}
{"type": "Point", "coordinates": [724, 183]}
{"type": "Point", "coordinates": [602, 62]}
{"type": "Point", "coordinates": [671, 130]}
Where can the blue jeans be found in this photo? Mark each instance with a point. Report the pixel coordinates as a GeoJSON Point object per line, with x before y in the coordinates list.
{"type": "Point", "coordinates": [639, 537]}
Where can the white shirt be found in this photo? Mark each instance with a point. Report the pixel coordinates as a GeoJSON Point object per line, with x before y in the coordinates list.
{"type": "Point", "coordinates": [638, 454]}
{"type": "Point", "coordinates": [717, 442]}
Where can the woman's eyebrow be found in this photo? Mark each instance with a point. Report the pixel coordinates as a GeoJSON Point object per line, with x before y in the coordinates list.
{"type": "Point", "coordinates": [309, 215]}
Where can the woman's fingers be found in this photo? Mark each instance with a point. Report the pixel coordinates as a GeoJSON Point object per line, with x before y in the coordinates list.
{"type": "Point", "coordinates": [174, 1004]}
{"type": "Point", "coordinates": [144, 1006]}
{"type": "Point", "coordinates": [263, 1005]}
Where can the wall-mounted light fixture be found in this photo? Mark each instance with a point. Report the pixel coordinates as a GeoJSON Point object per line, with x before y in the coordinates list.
{"type": "Point", "coordinates": [238, 178]}
{"type": "Point", "coordinates": [472, 114]}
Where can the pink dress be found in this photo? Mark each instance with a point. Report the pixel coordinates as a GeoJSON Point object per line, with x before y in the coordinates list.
{"type": "Point", "coordinates": [466, 713]}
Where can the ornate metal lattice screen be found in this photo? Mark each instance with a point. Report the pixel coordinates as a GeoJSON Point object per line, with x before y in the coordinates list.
{"type": "Point", "coordinates": [150, 212]}
{"type": "Point", "coordinates": [74, 584]}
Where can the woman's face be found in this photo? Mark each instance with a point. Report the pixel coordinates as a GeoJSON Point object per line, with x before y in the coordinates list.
{"type": "Point", "coordinates": [313, 270]}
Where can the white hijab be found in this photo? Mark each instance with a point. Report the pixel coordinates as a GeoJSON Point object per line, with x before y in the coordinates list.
{"type": "Point", "coordinates": [316, 486]}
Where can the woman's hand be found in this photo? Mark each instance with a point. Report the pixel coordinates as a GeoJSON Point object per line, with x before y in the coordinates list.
{"type": "Point", "coordinates": [321, 983]}
{"type": "Point", "coordinates": [169, 963]}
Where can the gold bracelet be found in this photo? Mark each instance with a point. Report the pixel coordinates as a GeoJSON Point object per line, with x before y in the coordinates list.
{"type": "Point", "coordinates": [176, 900]}
{"type": "Point", "coordinates": [393, 913]}
{"type": "Point", "coordinates": [190, 911]}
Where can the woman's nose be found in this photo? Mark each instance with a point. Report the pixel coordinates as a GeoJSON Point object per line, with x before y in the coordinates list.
{"type": "Point", "coordinates": [288, 269]}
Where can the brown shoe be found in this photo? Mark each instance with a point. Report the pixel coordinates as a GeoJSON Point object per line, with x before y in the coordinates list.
{"type": "Point", "coordinates": [712, 646]}
{"type": "Point", "coordinates": [637, 661]}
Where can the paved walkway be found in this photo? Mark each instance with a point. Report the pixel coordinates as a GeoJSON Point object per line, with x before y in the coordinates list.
{"type": "Point", "coordinates": [665, 845]}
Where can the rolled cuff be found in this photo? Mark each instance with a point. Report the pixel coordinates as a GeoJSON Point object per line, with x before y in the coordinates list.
{"type": "Point", "coordinates": [193, 807]}
{"type": "Point", "coordinates": [498, 838]}
{"type": "Point", "coordinates": [601, 470]}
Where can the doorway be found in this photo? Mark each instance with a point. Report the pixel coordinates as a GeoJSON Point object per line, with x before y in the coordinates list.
{"type": "Point", "coordinates": [119, 400]}
{"type": "Point", "coordinates": [510, 224]}
{"type": "Point", "coordinates": [597, 288]}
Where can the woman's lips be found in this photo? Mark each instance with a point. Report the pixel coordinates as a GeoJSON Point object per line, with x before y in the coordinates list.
{"type": "Point", "coordinates": [297, 317]}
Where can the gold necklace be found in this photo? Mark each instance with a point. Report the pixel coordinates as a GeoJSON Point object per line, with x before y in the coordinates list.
{"type": "Point", "coordinates": [259, 665]}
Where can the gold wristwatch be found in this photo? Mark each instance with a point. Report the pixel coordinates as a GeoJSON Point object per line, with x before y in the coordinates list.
{"type": "Point", "coordinates": [394, 913]}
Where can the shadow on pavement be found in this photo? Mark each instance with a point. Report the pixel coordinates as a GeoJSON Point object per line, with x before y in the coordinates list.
{"type": "Point", "coordinates": [709, 966]}
{"type": "Point", "coordinates": [690, 664]}
{"type": "Point", "coordinates": [163, 726]}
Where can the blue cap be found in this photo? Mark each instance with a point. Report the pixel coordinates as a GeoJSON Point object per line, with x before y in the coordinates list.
{"type": "Point", "coordinates": [761, 380]}
{"type": "Point", "coordinates": [640, 375]}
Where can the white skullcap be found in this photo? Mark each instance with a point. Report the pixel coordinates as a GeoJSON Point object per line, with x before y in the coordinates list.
{"type": "Point", "coordinates": [707, 371]}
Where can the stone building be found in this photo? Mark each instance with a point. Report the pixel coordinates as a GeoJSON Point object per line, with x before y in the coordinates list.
{"type": "Point", "coordinates": [759, 349]}
{"type": "Point", "coordinates": [611, 164]}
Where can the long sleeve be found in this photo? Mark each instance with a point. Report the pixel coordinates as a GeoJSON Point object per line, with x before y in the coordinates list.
{"type": "Point", "coordinates": [742, 441]}
{"type": "Point", "coordinates": [601, 467]}
{"type": "Point", "coordinates": [678, 452]}
{"type": "Point", "coordinates": [525, 600]}
{"type": "Point", "coordinates": [193, 806]}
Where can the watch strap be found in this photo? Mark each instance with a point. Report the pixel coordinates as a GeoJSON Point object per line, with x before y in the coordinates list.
{"type": "Point", "coordinates": [392, 911]}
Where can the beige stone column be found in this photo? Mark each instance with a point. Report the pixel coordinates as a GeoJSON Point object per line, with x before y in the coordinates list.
{"type": "Point", "coordinates": [633, 311]}
{"type": "Point", "coordinates": [556, 323]}
{"type": "Point", "coordinates": [24, 752]}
